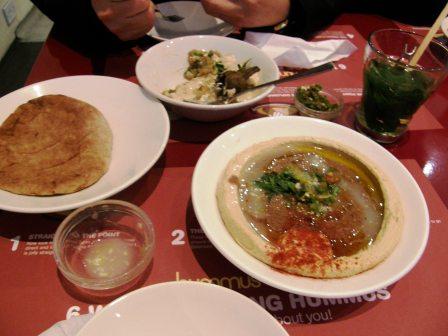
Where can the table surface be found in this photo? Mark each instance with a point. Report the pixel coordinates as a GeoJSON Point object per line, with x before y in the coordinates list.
{"type": "Point", "coordinates": [35, 296]}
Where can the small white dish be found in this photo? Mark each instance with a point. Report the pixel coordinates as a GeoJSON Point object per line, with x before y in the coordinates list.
{"type": "Point", "coordinates": [183, 309]}
{"type": "Point", "coordinates": [196, 21]}
{"type": "Point", "coordinates": [215, 158]}
{"type": "Point", "coordinates": [162, 67]}
{"type": "Point", "coordinates": [140, 129]}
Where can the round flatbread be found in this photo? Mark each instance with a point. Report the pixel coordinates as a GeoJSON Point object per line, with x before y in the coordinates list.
{"type": "Point", "coordinates": [53, 145]}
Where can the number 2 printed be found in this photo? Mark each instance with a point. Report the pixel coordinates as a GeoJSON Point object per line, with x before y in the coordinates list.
{"type": "Point", "coordinates": [178, 237]}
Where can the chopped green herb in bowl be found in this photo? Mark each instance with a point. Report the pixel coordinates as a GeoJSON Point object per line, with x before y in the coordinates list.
{"type": "Point", "coordinates": [314, 190]}
{"type": "Point", "coordinates": [314, 101]}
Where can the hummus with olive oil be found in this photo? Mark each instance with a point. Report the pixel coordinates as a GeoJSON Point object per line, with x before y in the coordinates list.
{"type": "Point", "coordinates": [310, 207]}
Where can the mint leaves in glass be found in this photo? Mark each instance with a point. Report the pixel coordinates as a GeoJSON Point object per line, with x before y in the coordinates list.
{"type": "Point", "coordinates": [394, 90]}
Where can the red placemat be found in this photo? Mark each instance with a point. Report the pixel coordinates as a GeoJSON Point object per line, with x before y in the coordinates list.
{"type": "Point", "coordinates": [37, 295]}
{"type": "Point", "coordinates": [34, 295]}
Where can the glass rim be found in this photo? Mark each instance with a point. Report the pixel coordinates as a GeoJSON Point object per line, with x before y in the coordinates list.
{"type": "Point", "coordinates": [414, 67]}
{"type": "Point", "coordinates": [102, 284]}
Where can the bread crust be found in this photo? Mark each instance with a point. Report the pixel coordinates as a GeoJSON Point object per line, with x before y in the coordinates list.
{"type": "Point", "coordinates": [53, 145]}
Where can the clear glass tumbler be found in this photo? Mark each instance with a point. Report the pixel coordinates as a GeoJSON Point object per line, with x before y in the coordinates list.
{"type": "Point", "coordinates": [393, 89]}
{"type": "Point", "coordinates": [104, 245]}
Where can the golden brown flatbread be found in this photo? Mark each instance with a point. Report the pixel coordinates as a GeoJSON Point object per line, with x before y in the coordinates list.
{"type": "Point", "coordinates": [52, 145]}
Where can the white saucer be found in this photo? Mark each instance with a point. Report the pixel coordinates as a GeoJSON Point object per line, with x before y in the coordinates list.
{"type": "Point", "coordinates": [196, 21]}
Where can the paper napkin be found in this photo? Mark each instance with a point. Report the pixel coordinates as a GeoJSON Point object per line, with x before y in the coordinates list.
{"type": "Point", "coordinates": [295, 52]}
{"type": "Point", "coordinates": [68, 327]}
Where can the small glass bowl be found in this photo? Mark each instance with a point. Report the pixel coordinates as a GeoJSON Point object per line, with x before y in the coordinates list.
{"type": "Point", "coordinates": [333, 97]}
{"type": "Point", "coordinates": [105, 245]}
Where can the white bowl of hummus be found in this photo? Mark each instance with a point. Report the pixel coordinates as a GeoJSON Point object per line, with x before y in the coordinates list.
{"type": "Point", "coordinates": [310, 207]}
{"type": "Point", "coordinates": [190, 75]}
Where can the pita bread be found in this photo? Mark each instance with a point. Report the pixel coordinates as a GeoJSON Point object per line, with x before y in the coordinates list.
{"type": "Point", "coordinates": [53, 145]}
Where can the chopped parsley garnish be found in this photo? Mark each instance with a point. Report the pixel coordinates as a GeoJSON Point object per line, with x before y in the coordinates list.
{"type": "Point", "coordinates": [307, 188]}
{"type": "Point", "coordinates": [277, 183]}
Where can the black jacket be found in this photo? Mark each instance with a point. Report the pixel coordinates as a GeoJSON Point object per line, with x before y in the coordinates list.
{"type": "Point", "coordinates": [310, 16]}
{"type": "Point", "coordinates": [76, 22]}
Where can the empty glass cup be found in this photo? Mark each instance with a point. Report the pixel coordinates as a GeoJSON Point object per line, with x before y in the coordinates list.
{"type": "Point", "coordinates": [104, 245]}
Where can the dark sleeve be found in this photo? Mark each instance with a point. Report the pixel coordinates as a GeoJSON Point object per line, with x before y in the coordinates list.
{"type": "Point", "coordinates": [308, 16]}
{"type": "Point", "coordinates": [76, 23]}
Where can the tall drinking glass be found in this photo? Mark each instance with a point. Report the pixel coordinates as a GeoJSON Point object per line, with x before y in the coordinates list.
{"type": "Point", "coordinates": [394, 90]}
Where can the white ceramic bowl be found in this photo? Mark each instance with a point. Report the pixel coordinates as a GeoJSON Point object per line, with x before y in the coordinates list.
{"type": "Point", "coordinates": [215, 158]}
{"type": "Point", "coordinates": [183, 308]}
{"type": "Point", "coordinates": [162, 67]}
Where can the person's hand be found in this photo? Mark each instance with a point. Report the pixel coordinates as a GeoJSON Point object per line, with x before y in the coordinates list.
{"type": "Point", "coordinates": [128, 19]}
{"type": "Point", "coordinates": [248, 13]}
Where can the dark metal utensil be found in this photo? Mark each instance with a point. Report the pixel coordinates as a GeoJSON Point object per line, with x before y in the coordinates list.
{"type": "Point", "coordinates": [301, 74]}
{"type": "Point", "coordinates": [305, 73]}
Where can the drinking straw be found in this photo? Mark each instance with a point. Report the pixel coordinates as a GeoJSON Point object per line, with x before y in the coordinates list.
{"type": "Point", "coordinates": [429, 36]}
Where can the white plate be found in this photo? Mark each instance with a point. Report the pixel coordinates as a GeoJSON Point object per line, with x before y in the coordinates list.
{"type": "Point", "coordinates": [195, 22]}
{"type": "Point", "coordinates": [217, 155]}
{"type": "Point", "coordinates": [183, 309]}
{"type": "Point", "coordinates": [140, 128]}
